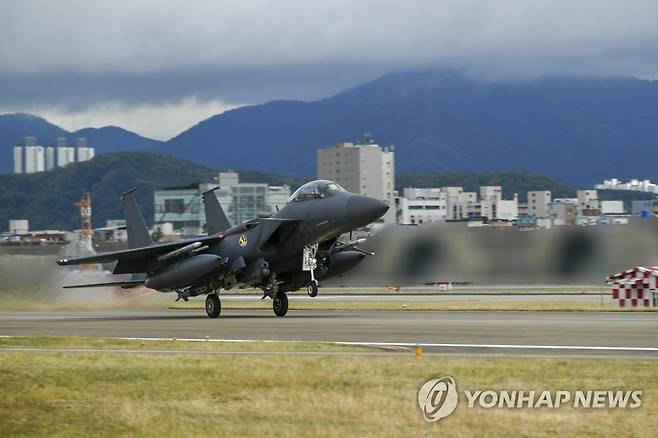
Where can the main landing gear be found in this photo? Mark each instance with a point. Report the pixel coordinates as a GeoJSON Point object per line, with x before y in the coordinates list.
{"type": "Point", "coordinates": [312, 289]}
{"type": "Point", "coordinates": [214, 305]}
{"type": "Point", "coordinates": [280, 304]}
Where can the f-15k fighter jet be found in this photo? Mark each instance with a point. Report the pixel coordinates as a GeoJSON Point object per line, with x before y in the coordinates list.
{"type": "Point", "coordinates": [294, 248]}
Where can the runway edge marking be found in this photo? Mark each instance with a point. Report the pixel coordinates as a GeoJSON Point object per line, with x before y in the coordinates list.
{"type": "Point", "coordinates": [390, 344]}
{"type": "Point", "coordinates": [410, 344]}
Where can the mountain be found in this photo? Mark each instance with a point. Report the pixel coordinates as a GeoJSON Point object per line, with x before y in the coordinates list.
{"type": "Point", "coordinates": [577, 130]}
{"type": "Point", "coordinates": [115, 139]}
{"type": "Point", "coordinates": [108, 139]}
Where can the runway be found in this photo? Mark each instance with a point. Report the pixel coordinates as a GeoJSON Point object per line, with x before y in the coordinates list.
{"type": "Point", "coordinates": [481, 333]}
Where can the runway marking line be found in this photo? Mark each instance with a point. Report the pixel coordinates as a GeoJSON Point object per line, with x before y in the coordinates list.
{"type": "Point", "coordinates": [394, 345]}
{"type": "Point", "coordinates": [413, 344]}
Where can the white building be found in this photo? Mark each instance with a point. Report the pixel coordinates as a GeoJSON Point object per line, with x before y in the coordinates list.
{"type": "Point", "coordinates": [65, 155]}
{"type": "Point", "coordinates": [539, 203]}
{"type": "Point", "coordinates": [50, 158]}
{"type": "Point", "coordinates": [366, 169]}
{"type": "Point", "coordinates": [86, 153]}
{"type": "Point", "coordinates": [588, 200]}
{"type": "Point", "coordinates": [19, 226]}
{"type": "Point", "coordinates": [644, 185]}
{"type": "Point", "coordinates": [459, 202]}
{"type": "Point", "coordinates": [18, 159]}
{"type": "Point", "coordinates": [34, 159]}
{"type": "Point", "coordinates": [421, 206]}
{"type": "Point", "coordinates": [612, 207]}
{"type": "Point", "coordinates": [491, 193]}
{"type": "Point", "coordinates": [507, 209]}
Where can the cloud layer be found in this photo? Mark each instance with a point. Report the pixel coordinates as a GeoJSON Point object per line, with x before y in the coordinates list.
{"type": "Point", "coordinates": [154, 36]}
{"type": "Point", "coordinates": [70, 56]}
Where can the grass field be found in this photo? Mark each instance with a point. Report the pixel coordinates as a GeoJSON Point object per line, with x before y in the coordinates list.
{"type": "Point", "coordinates": [135, 394]}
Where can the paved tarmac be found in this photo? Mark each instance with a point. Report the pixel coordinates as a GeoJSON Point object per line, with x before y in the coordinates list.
{"type": "Point", "coordinates": [481, 333]}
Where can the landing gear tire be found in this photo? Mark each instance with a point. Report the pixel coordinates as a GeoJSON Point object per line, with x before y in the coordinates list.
{"type": "Point", "coordinates": [280, 304]}
{"type": "Point", "coordinates": [312, 289]}
{"type": "Point", "coordinates": [213, 306]}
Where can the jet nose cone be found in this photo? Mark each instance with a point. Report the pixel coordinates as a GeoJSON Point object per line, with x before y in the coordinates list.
{"type": "Point", "coordinates": [362, 210]}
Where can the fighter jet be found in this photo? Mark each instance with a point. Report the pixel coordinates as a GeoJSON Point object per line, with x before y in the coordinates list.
{"type": "Point", "coordinates": [294, 248]}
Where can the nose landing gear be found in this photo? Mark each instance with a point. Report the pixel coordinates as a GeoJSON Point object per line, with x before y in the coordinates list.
{"type": "Point", "coordinates": [310, 263]}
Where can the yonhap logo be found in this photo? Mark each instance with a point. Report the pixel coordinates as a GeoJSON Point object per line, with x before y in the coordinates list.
{"type": "Point", "coordinates": [438, 398]}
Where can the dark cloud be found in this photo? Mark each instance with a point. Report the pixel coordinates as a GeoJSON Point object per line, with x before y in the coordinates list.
{"type": "Point", "coordinates": [77, 91]}
{"type": "Point", "coordinates": [74, 54]}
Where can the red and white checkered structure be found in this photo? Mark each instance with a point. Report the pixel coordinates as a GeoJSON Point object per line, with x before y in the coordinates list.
{"type": "Point", "coordinates": [636, 287]}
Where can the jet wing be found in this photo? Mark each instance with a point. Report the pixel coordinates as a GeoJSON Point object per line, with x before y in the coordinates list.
{"type": "Point", "coordinates": [123, 284]}
{"type": "Point", "coordinates": [135, 254]}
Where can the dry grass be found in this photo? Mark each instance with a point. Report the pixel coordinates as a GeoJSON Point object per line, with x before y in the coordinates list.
{"type": "Point", "coordinates": [188, 395]}
{"type": "Point", "coordinates": [79, 342]}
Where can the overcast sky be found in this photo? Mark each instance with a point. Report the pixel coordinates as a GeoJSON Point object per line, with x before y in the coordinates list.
{"type": "Point", "coordinates": [158, 67]}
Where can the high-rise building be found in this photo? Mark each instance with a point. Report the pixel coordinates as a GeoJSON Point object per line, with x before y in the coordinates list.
{"type": "Point", "coordinates": [419, 206]}
{"type": "Point", "coordinates": [85, 153]}
{"type": "Point", "coordinates": [366, 169]}
{"type": "Point", "coordinates": [491, 193]}
{"type": "Point", "coordinates": [34, 159]}
{"type": "Point", "coordinates": [18, 159]}
{"type": "Point", "coordinates": [539, 203]}
{"type": "Point", "coordinates": [588, 203]}
{"type": "Point", "coordinates": [50, 158]}
{"type": "Point", "coordinates": [65, 155]}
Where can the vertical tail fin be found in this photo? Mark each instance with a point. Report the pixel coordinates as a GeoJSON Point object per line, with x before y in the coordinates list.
{"type": "Point", "coordinates": [216, 220]}
{"type": "Point", "coordinates": [138, 234]}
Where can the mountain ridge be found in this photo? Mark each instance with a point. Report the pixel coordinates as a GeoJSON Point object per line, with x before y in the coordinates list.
{"type": "Point", "coordinates": [579, 130]}
{"type": "Point", "coordinates": [574, 129]}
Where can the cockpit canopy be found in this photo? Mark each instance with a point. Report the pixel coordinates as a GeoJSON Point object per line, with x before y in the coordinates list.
{"type": "Point", "coordinates": [318, 189]}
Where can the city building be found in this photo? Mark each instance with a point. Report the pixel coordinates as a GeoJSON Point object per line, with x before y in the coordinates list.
{"type": "Point", "coordinates": [18, 159]}
{"type": "Point", "coordinates": [84, 152]}
{"type": "Point", "coordinates": [588, 203]}
{"type": "Point", "coordinates": [634, 185]}
{"type": "Point", "coordinates": [612, 207]}
{"type": "Point", "coordinates": [19, 226]}
{"type": "Point", "coordinates": [183, 207]}
{"type": "Point", "coordinates": [420, 206]}
{"type": "Point", "coordinates": [564, 211]}
{"type": "Point", "coordinates": [539, 203]}
{"type": "Point", "coordinates": [643, 208]}
{"type": "Point", "coordinates": [30, 157]}
{"type": "Point", "coordinates": [366, 169]}
{"type": "Point", "coordinates": [491, 193]}
{"type": "Point", "coordinates": [50, 158]}
{"type": "Point", "coordinates": [65, 155]}
{"type": "Point", "coordinates": [460, 204]}
{"type": "Point", "coordinates": [35, 160]}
